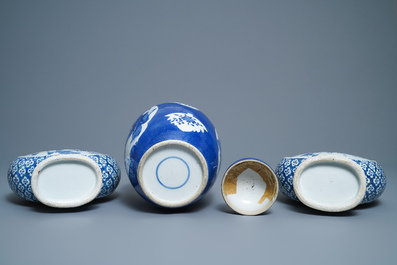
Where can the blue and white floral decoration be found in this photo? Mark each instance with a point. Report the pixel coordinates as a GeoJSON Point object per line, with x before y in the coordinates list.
{"type": "Point", "coordinates": [138, 130]}
{"type": "Point", "coordinates": [186, 122]}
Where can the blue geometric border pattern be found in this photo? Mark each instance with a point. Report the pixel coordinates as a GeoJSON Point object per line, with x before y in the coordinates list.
{"type": "Point", "coordinates": [375, 176]}
{"type": "Point", "coordinates": [285, 172]}
{"type": "Point", "coordinates": [376, 180]}
{"type": "Point", "coordinates": [110, 173]}
{"type": "Point", "coordinates": [20, 172]}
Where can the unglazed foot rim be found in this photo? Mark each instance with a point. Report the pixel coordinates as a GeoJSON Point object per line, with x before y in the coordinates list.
{"type": "Point", "coordinates": [67, 193]}
{"type": "Point", "coordinates": [173, 158]}
{"type": "Point", "coordinates": [249, 187]}
{"type": "Point", "coordinates": [332, 192]}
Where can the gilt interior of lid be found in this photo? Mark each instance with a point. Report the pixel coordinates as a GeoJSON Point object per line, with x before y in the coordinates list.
{"type": "Point", "coordinates": [67, 183]}
{"type": "Point", "coordinates": [173, 174]}
{"type": "Point", "coordinates": [249, 187]}
{"type": "Point", "coordinates": [329, 185]}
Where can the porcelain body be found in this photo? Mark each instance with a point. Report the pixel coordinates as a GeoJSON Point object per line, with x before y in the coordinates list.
{"type": "Point", "coordinates": [170, 127]}
{"type": "Point", "coordinates": [375, 178]}
{"type": "Point", "coordinates": [23, 167]}
{"type": "Point", "coordinates": [249, 186]}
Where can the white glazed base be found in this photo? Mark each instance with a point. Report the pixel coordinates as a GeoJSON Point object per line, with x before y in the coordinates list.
{"type": "Point", "coordinates": [331, 183]}
{"type": "Point", "coordinates": [173, 173]}
{"type": "Point", "coordinates": [66, 181]}
{"type": "Point", "coordinates": [249, 187]}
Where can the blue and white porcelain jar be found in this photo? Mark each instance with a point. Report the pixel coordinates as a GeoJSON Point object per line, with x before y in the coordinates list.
{"type": "Point", "coordinates": [330, 181]}
{"type": "Point", "coordinates": [172, 155]}
{"type": "Point", "coordinates": [63, 178]}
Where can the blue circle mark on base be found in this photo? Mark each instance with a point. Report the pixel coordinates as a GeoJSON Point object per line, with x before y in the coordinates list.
{"type": "Point", "coordinates": [177, 187]}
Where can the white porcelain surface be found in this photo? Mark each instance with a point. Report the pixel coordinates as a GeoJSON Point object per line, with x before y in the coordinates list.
{"type": "Point", "coordinates": [330, 182]}
{"type": "Point", "coordinates": [66, 181]}
{"type": "Point", "coordinates": [173, 173]}
{"type": "Point", "coordinates": [249, 187]}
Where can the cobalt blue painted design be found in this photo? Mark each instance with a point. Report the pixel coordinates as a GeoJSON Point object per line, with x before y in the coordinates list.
{"type": "Point", "coordinates": [172, 121]}
{"type": "Point", "coordinates": [20, 171]}
{"type": "Point", "coordinates": [187, 177]}
{"type": "Point", "coordinates": [375, 176]}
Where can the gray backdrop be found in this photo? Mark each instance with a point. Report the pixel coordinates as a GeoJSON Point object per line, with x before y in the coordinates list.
{"type": "Point", "coordinates": [277, 78]}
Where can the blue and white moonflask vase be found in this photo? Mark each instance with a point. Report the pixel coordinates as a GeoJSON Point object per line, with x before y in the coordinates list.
{"type": "Point", "coordinates": [172, 155]}
{"type": "Point", "coordinates": [63, 178]}
{"type": "Point", "coordinates": [329, 181]}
